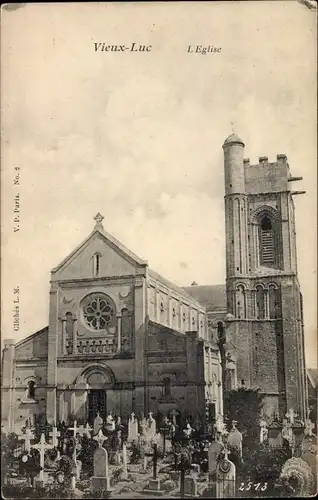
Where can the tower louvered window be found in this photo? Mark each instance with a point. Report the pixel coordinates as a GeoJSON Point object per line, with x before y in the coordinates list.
{"type": "Point", "coordinates": [267, 252]}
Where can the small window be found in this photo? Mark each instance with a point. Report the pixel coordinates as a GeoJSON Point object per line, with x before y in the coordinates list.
{"type": "Point", "coordinates": [96, 264]}
{"type": "Point", "coordinates": [166, 387]}
{"type": "Point", "coordinates": [260, 303]}
{"type": "Point", "coordinates": [274, 309]}
{"type": "Point", "coordinates": [31, 389]}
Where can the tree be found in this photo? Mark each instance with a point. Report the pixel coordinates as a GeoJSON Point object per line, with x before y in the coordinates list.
{"type": "Point", "coordinates": [245, 406]}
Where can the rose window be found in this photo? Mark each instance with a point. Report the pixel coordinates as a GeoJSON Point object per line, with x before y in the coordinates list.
{"type": "Point", "coordinates": [98, 311]}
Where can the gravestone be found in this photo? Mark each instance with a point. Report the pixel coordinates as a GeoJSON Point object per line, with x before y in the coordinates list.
{"type": "Point", "coordinates": [110, 423]}
{"type": "Point", "coordinates": [235, 438]}
{"type": "Point", "coordinates": [225, 478]}
{"type": "Point", "coordinates": [190, 487]}
{"type": "Point", "coordinates": [101, 478]}
{"type": "Point", "coordinates": [214, 451]}
{"type": "Point", "coordinates": [125, 463]}
{"type": "Point", "coordinates": [263, 437]}
{"type": "Point", "coordinates": [132, 429]}
{"type": "Point", "coordinates": [98, 424]}
{"type": "Point", "coordinates": [152, 429]}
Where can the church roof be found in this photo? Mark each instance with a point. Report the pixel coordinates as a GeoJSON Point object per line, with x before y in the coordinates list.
{"type": "Point", "coordinates": [212, 297]}
{"type": "Point", "coordinates": [233, 138]}
{"type": "Point", "coordinates": [182, 291]}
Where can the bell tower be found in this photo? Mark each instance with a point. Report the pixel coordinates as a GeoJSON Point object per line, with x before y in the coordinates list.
{"type": "Point", "coordinates": [264, 302]}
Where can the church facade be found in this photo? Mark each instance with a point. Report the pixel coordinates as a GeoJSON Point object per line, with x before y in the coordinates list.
{"type": "Point", "coordinates": [122, 339]}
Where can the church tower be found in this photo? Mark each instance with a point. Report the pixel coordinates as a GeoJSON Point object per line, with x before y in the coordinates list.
{"type": "Point", "coordinates": [264, 302]}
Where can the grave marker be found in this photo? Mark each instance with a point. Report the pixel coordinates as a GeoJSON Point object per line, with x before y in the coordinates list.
{"type": "Point", "coordinates": [42, 446]}
{"type": "Point", "coordinates": [235, 438]}
{"type": "Point", "coordinates": [225, 478]}
{"type": "Point", "coordinates": [98, 423]}
{"type": "Point", "coordinates": [27, 436]}
{"type": "Point", "coordinates": [101, 478]}
{"type": "Point", "coordinates": [100, 438]}
{"type": "Point", "coordinates": [190, 487]}
{"type": "Point", "coordinates": [125, 463]}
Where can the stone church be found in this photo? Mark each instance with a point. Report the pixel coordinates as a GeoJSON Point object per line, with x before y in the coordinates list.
{"type": "Point", "coordinates": [122, 338]}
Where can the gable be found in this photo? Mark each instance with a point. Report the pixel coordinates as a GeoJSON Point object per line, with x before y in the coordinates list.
{"type": "Point", "coordinates": [34, 346]}
{"type": "Point", "coordinates": [114, 259]}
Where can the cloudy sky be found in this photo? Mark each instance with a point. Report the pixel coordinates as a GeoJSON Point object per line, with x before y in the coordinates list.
{"type": "Point", "coordinates": [138, 136]}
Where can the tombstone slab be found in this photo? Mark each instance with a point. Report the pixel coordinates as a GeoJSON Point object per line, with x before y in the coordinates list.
{"type": "Point", "coordinates": [190, 487]}
{"type": "Point", "coordinates": [101, 478]}
{"type": "Point", "coordinates": [225, 479]}
{"type": "Point", "coordinates": [153, 488]}
{"type": "Point", "coordinates": [213, 452]}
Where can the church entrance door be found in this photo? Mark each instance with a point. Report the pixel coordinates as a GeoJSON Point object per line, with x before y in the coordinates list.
{"type": "Point", "coordinates": [97, 403]}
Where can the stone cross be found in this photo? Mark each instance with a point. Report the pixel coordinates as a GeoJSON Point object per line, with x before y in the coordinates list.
{"type": "Point", "coordinates": [132, 417]}
{"type": "Point", "coordinates": [88, 430]}
{"type": "Point", "coordinates": [42, 446]}
{"type": "Point", "coordinates": [100, 438]}
{"type": "Point", "coordinates": [74, 429]}
{"type": "Point", "coordinates": [99, 218]}
{"type": "Point", "coordinates": [26, 437]}
{"type": "Point", "coordinates": [291, 415]}
{"type": "Point", "coordinates": [55, 434]}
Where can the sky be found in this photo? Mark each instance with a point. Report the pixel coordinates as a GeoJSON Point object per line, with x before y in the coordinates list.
{"type": "Point", "coordinates": [138, 136]}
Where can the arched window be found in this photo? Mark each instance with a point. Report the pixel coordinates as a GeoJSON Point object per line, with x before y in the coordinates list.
{"type": "Point", "coordinates": [166, 387]}
{"type": "Point", "coordinates": [266, 243]}
{"type": "Point", "coordinates": [240, 302]}
{"type": "Point", "coordinates": [260, 302]}
{"type": "Point", "coordinates": [125, 329]}
{"type": "Point", "coordinates": [274, 309]}
{"type": "Point", "coordinates": [31, 389]}
{"type": "Point", "coordinates": [96, 264]}
{"type": "Point", "coordinates": [69, 323]}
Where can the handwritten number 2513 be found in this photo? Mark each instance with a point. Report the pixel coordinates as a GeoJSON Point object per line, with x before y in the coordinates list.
{"type": "Point", "coordinates": [255, 486]}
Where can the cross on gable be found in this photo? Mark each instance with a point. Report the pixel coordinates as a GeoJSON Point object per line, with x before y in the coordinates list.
{"type": "Point", "coordinates": [99, 219]}
{"type": "Point", "coordinates": [100, 438]}
{"type": "Point", "coordinates": [55, 434]}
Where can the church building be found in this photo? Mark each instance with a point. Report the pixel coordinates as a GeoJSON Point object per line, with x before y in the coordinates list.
{"type": "Point", "coordinates": [121, 338]}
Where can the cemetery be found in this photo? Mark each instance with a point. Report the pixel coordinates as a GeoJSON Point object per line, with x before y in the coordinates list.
{"type": "Point", "coordinates": [157, 456]}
